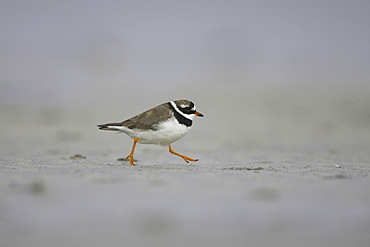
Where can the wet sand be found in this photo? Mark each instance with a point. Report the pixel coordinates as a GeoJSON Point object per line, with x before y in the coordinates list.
{"type": "Point", "coordinates": [285, 175]}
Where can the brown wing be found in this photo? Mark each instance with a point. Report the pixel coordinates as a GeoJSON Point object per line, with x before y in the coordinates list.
{"type": "Point", "coordinates": [150, 118]}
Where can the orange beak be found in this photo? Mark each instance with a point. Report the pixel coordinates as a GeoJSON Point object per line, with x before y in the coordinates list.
{"type": "Point", "coordinates": [199, 114]}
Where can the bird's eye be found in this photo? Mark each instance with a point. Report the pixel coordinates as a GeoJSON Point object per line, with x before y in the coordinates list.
{"type": "Point", "coordinates": [187, 109]}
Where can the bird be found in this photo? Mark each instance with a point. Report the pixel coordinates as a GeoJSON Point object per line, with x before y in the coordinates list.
{"type": "Point", "coordinates": [161, 125]}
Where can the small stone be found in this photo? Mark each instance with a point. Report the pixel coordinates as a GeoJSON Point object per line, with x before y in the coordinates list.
{"type": "Point", "coordinates": [78, 157]}
{"type": "Point", "coordinates": [126, 159]}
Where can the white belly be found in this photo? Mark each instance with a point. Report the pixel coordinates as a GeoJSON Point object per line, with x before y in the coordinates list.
{"type": "Point", "coordinates": [167, 133]}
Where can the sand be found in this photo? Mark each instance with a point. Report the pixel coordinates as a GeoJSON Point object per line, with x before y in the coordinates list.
{"type": "Point", "coordinates": [285, 175]}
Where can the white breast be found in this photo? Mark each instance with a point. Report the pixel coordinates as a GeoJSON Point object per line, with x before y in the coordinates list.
{"type": "Point", "coordinates": [167, 133]}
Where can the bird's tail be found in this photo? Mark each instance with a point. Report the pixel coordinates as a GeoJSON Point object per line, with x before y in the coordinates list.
{"type": "Point", "coordinates": [110, 126]}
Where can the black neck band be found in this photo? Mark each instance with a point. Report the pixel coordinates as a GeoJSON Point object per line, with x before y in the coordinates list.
{"type": "Point", "coordinates": [180, 118]}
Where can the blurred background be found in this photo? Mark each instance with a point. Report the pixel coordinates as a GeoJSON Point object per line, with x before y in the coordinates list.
{"type": "Point", "coordinates": [284, 86]}
{"type": "Point", "coordinates": [284, 72]}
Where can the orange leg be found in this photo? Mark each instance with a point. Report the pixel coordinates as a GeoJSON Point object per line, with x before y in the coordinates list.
{"type": "Point", "coordinates": [131, 155]}
{"type": "Point", "coordinates": [186, 158]}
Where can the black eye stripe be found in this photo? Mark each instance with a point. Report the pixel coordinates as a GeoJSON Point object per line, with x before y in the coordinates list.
{"type": "Point", "coordinates": [187, 110]}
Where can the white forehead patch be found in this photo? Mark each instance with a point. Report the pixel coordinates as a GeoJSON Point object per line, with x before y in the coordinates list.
{"type": "Point", "coordinates": [184, 106]}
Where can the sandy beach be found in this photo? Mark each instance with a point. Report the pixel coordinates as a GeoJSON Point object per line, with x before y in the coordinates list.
{"type": "Point", "coordinates": [271, 181]}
